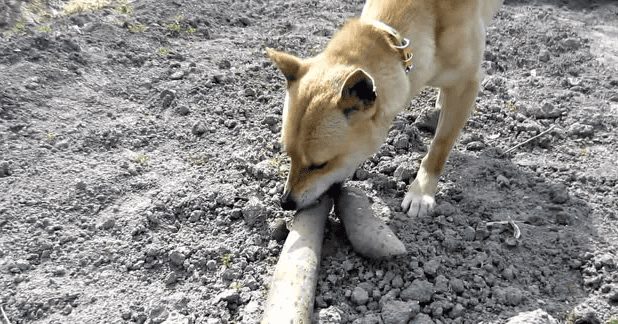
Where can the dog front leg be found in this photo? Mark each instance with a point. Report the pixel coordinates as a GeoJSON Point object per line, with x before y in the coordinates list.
{"type": "Point", "coordinates": [456, 104]}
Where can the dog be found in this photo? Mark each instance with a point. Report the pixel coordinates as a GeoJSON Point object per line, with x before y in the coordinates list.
{"type": "Point", "coordinates": [339, 105]}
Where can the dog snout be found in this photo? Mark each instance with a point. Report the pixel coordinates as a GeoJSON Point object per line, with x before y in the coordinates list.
{"type": "Point", "coordinates": [287, 203]}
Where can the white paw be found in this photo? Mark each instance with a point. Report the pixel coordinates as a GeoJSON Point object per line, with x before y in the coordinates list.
{"type": "Point", "coordinates": [417, 205]}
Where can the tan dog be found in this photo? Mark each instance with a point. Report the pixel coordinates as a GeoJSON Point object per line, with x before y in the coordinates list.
{"type": "Point", "coordinates": [339, 105]}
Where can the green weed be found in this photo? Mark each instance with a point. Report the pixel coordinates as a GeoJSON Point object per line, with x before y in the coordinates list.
{"type": "Point", "coordinates": [19, 27]}
{"type": "Point", "coordinates": [174, 27]}
{"type": "Point", "coordinates": [163, 51]}
{"type": "Point", "coordinates": [81, 6]}
{"type": "Point", "coordinates": [51, 137]}
{"type": "Point", "coordinates": [44, 28]}
{"type": "Point", "coordinates": [613, 320]}
{"type": "Point", "coordinates": [141, 159]}
{"type": "Point", "coordinates": [226, 260]}
{"type": "Point", "coordinates": [511, 106]}
{"type": "Point", "coordinates": [124, 8]}
{"type": "Point", "coordinates": [191, 30]}
{"type": "Point", "coordinates": [138, 28]}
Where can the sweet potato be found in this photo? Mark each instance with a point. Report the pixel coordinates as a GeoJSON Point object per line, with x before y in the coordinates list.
{"type": "Point", "coordinates": [292, 291]}
{"type": "Point", "coordinates": [369, 236]}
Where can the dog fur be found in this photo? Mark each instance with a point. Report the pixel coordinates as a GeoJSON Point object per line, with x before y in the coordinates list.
{"type": "Point", "coordinates": [340, 104]}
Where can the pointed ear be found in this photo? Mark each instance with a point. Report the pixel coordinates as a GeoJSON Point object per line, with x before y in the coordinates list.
{"type": "Point", "coordinates": [286, 63]}
{"type": "Point", "coordinates": [358, 93]}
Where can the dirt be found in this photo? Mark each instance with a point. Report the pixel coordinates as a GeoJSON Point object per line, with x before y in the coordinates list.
{"type": "Point", "coordinates": [140, 170]}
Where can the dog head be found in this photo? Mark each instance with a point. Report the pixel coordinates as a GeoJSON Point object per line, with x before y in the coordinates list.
{"type": "Point", "coordinates": [333, 118]}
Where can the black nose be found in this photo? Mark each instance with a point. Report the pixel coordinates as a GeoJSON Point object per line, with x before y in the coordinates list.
{"type": "Point", "coordinates": [287, 203]}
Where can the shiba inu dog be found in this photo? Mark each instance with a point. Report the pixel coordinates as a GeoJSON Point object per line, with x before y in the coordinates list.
{"type": "Point", "coordinates": [340, 104]}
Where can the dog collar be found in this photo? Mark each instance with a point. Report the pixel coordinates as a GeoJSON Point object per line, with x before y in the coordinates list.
{"type": "Point", "coordinates": [400, 43]}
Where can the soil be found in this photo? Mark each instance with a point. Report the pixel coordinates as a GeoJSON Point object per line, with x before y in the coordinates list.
{"type": "Point", "coordinates": [140, 170]}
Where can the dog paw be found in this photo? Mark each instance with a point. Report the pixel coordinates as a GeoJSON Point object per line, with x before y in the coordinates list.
{"type": "Point", "coordinates": [417, 205]}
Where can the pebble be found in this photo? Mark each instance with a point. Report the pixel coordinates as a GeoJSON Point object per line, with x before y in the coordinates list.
{"type": "Point", "coordinates": [457, 311]}
{"type": "Point", "coordinates": [403, 172]}
{"type": "Point", "coordinates": [606, 260]}
{"type": "Point", "coordinates": [399, 312]}
{"type": "Point", "coordinates": [502, 181]}
{"type": "Point", "coordinates": [108, 223]}
{"type": "Point", "coordinates": [428, 121]}
{"type": "Point", "coordinates": [580, 130]}
{"type": "Point", "coordinates": [359, 296]}
{"type": "Point", "coordinates": [158, 314]}
{"type": "Point", "coordinates": [177, 258]}
{"type": "Point", "coordinates": [420, 290]}
{"type": "Point", "coordinates": [431, 268]}
{"type": "Point", "coordinates": [545, 111]}
{"type": "Point", "coordinates": [457, 285]}
{"type": "Point", "coordinates": [538, 316]}
{"type": "Point", "coordinates": [198, 128]}
{"type": "Point", "coordinates": [331, 315]}
{"type": "Point", "coordinates": [4, 169]}
{"type": "Point", "coordinates": [422, 318]}
{"type": "Point", "coordinates": [475, 146]}
{"type": "Point", "coordinates": [254, 210]}
{"type": "Point", "coordinates": [558, 193]}
{"type": "Point", "coordinates": [183, 110]}
{"type": "Point", "coordinates": [211, 264]}
{"type": "Point", "coordinates": [229, 295]}
{"type": "Point", "coordinates": [510, 296]}
{"type": "Point", "coordinates": [177, 75]}
{"type": "Point", "coordinates": [613, 297]}
{"type": "Point", "coordinates": [171, 278]}
{"type": "Point", "coordinates": [544, 55]}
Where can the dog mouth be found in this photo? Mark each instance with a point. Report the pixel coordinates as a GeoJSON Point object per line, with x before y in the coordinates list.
{"type": "Point", "coordinates": [288, 203]}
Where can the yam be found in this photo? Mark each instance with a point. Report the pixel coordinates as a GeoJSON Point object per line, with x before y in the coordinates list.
{"type": "Point", "coordinates": [292, 291]}
{"type": "Point", "coordinates": [369, 235]}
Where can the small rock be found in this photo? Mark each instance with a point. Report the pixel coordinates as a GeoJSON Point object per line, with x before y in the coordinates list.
{"type": "Point", "coordinates": [177, 75]}
{"type": "Point", "coordinates": [403, 172]}
{"type": "Point", "coordinates": [264, 170]}
{"type": "Point", "coordinates": [563, 218]}
{"type": "Point", "coordinates": [198, 128]}
{"type": "Point", "coordinates": [397, 282]}
{"type": "Point", "coordinates": [428, 121]}
{"type": "Point", "coordinates": [4, 169]}
{"type": "Point", "coordinates": [196, 215]}
{"type": "Point", "coordinates": [508, 296]}
{"type": "Point", "coordinates": [431, 268]}
{"type": "Point", "coordinates": [422, 318]}
{"type": "Point", "coordinates": [229, 295]}
{"type": "Point", "coordinates": [502, 181]}
{"type": "Point", "coordinates": [331, 315]}
{"type": "Point", "coordinates": [538, 316]}
{"type": "Point", "coordinates": [457, 311]}
{"type": "Point", "coordinates": [544, 55]}
{"type": "Point", "coordinates": [67, 310]}
{"type": "Point", "coordinates": [171, 278]}
{"type": "Point", "coordinates": [360, 296]}
{"type": "Point", "coordinates": [271, 120]}
{"type": "Point", "coordinates": [571, 43]}
{"type": "Point", "coordinates": [177, 258]}
{"type": "Point", "coordinates": [211, 265]}
{"type": "Point", "coordinates": [441, 284]}
{"type": "Point", "coordinates": [580, 130]}
{"type": "Point", "coordinates": [158, 314]}
{"type": "Point", "coordinates": [614, 297]}
{"type": "Point", "coordinates": [254, 210]}
{"type": "Point", "coordinates": [545, 111]}
{"type": "Point", "coordinates": [420, 290]}
{"type": "Point", "coordinates": [398, 312]}
{"type": "Point", "coordinates": [558, 193]}
{"type": "Point", "coordinates": [107, 223]}
{"type": "Point", "coordinates": [401, 141]}
{"type": "Point", "coordinates": [457, 285]}
{"type": "Point", "coordinates": [183, 110]}
{"type": "Point", "coordinates": [475, 146]}
{"type": "Point", "coordinates": [606, 260]}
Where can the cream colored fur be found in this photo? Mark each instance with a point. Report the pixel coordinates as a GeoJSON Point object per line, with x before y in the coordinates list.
{"type": "Point", "coordinates": [340, 104]}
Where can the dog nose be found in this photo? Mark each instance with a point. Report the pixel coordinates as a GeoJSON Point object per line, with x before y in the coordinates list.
{"type": "Point", "coordinates": [287, 203]}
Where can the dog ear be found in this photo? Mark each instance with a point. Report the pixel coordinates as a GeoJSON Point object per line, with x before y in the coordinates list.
{"type": "Point", "coordinates": [286, 63]}
{"type": "Point", "coordinates": [358, 93]}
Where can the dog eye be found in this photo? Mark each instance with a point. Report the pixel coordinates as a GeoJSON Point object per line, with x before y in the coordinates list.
{"type": "Point", "coordinates": [313, 166]}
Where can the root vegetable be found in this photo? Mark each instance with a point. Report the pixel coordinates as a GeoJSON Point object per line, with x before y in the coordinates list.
{"type": "Point", "coordinates": [292, 292]}
{"type": "Point", "coordinates": [369, 236]}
